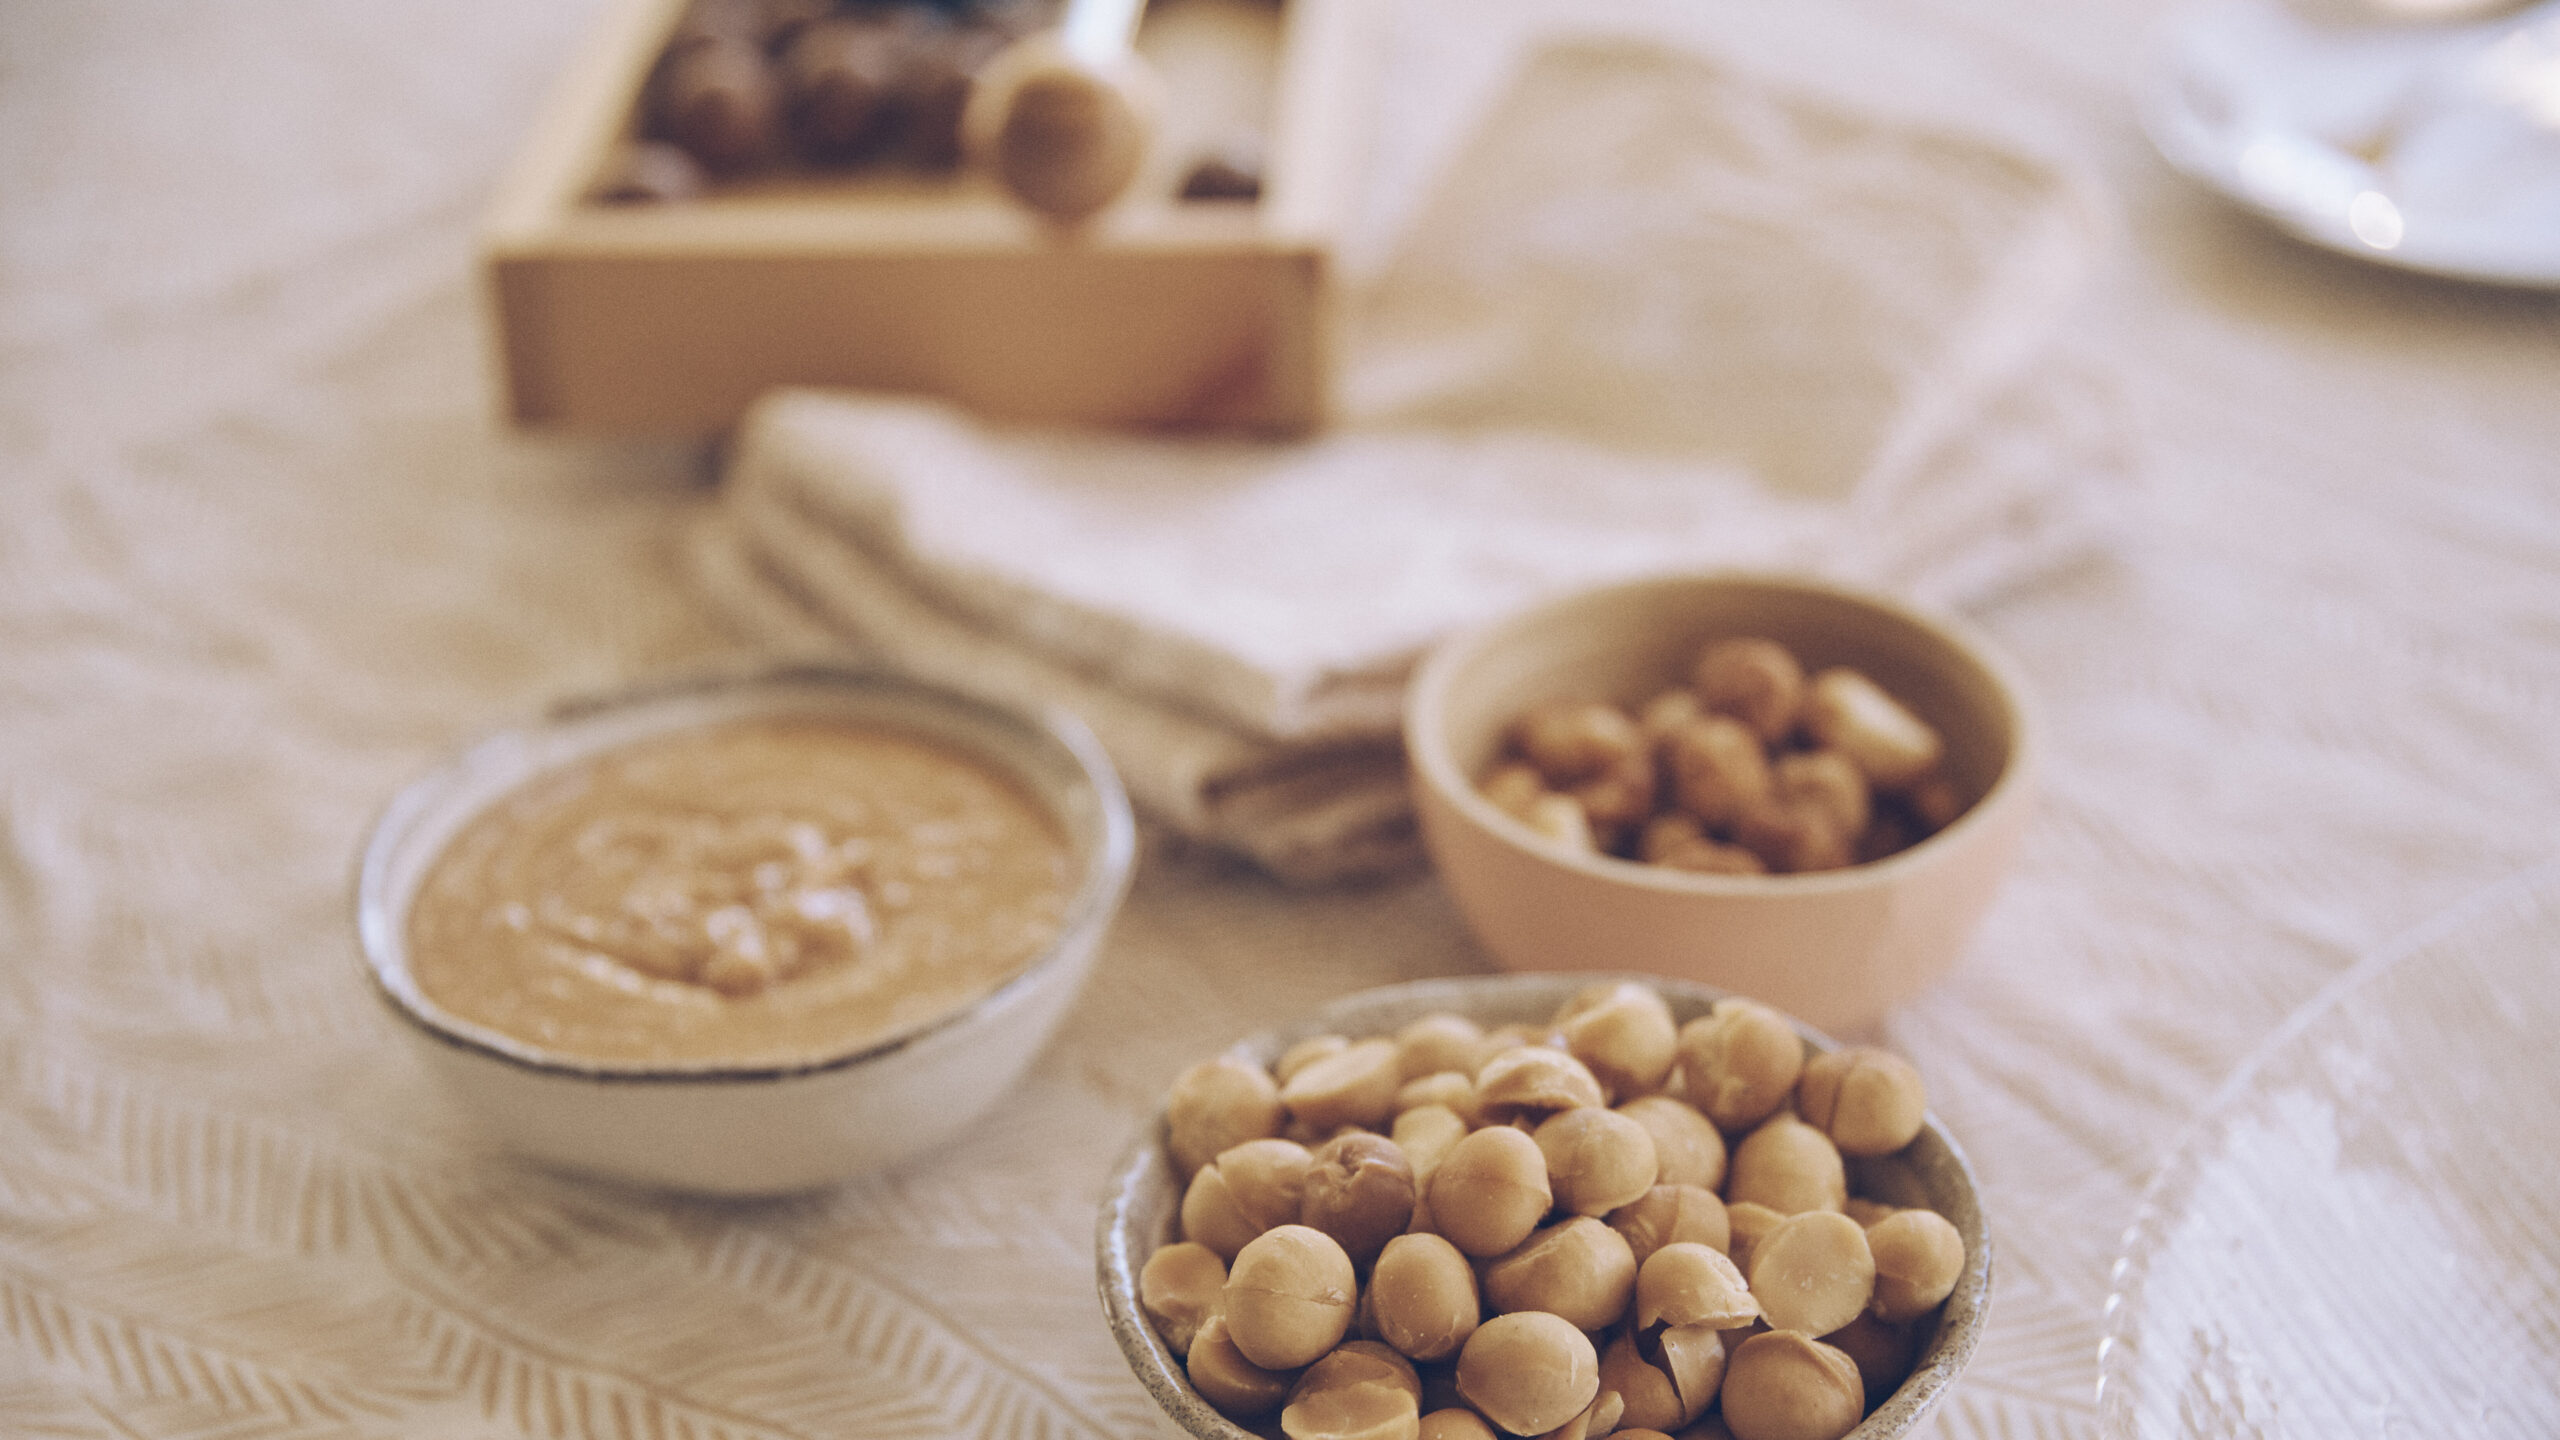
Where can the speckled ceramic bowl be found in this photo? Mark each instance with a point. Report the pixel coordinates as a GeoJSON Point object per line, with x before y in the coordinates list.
{"type": "Point", "coordinates": [1145, 1199]}
{"type": "Point", "coordinates": [750, 1129]}
{"type": "Point", "coordinates": [1839, 948]}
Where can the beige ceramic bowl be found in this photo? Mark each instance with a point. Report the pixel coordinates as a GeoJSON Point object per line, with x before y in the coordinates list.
{"type": "Point", "coordinates": [1145, 1199]}
{"type": "Point", "coordinates": [1839, 948]}
{"type": "Point", "coordinates": [750, 1129]}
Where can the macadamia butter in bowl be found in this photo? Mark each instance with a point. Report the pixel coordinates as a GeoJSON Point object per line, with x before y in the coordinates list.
{"type": "Point", "coordinates": [749, 934]}
{"type": "Point", "coordinates": [1781, 787]}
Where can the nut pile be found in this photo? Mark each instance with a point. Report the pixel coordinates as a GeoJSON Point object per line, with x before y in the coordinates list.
{"type": "Point", "coordinates": [1609, 1224]}
{"type": "Point", "coordinates": [1752, 767]}
{"type": "Point", "coordinates": [751, 85]}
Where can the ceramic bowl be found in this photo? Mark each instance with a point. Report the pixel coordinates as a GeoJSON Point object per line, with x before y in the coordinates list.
{"type": "Point", "coordinates": [1839, 948]}
{"type": "Point", "coordinates": [750, 1129]}
{"type": "Point", "coordinates": [1140, 1212]}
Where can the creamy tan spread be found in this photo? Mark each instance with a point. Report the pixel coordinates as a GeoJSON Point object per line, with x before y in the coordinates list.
{"type": "Point", "coordinates": [756, 892]}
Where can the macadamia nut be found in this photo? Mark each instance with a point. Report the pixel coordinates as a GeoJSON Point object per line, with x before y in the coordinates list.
{"type": "Point", "coordinates": [1846, 711]}
{"type": "Point", "coordinates": [1740, 1062]}
{"type": "Point", "coordinates": [1529, 1372]}
{"type": "Point", "coordinates": [1490, 1191]}
{"type": "Point", "coordinates": [1181, 1286]}
{"type": "Point", "coordinates": [1918, 1258]}
{"type": "Point", "coordinates": [1687, 1147]}
{"type": "Point", "coordinates": [1787, 1386]}
{"type": "Point", "coordinates": [1667, 1214]}
{"type": "Point", "coordinates": [1359, 1190]}
{"type": "Point", "coordinates": [1288, 1297]}
{"type": "Point", "coordinates": [1218, 1104]}
{"type": "Point", "coordinates": [1756, 681]}
{"type": "Point", "coordinates": [1623, 1034]}
{"type": "Point", "coordinates": [1423, 1297]}
{"type": "Point", "coordinates": [1531, 1082]}
{"type": "Point", "coordinates": [1579, 1269]}
{"type": "Point", "coordinates": [1687, 1284]}
{"type": "Point", "coordinates": [1248, 1189]}
{"type": "Point", "coordinates": [1869, 1101]}
{"type": "Point", "coordinates": [1597, 1160]}
{"type": "Point", "coordinates": [1355, 1085]}
{"type": "Point", "coordinates": [1814, 1273]}
{"type": "Point", "coordinates": [1788, 1166]}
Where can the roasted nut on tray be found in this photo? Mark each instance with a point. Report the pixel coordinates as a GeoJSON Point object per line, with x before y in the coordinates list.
{"type": "Point", "coordinates": [1517, 1258]}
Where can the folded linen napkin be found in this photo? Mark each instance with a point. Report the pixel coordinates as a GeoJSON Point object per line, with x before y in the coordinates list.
{"type": "Point", "coordinates": [1709, 321]}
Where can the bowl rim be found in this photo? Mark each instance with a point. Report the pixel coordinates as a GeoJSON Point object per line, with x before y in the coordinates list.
{"type": "Point", "coordinates": [381, 932]}
{"type": "Point", "coordinates": [1120, 1252]}
{"type": "Point", "coordinates": [1435, 768]}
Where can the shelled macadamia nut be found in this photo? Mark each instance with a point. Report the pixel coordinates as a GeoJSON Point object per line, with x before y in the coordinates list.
{"type": "Point", "coordinates": [1918, 1258]}
{"type": "Point", "coordinates": [1355, 1085]}
{"type": "Point", "coordinates": [1239, 1388]}
{"type": "Point", "coordinates": [1422, 1295]}
{"type": "Point", "coordinates": [1695, 1357]}
{"type": "Point", "coordinates": [1218, 1104]}
{"type": "Point", "coordinates": [1869, 1101]}
{"type": "Point", "coordinates": [1746, 1225]}
{"type": "Point", "coordinates": [1885, 1352]}
{"type": "Point", "coordinates": [1361, 1391]}
{"type": "Point", "coordinates": [1689, 1284]}
{"type": "Point", "coordinates": [1828, 783]}
{"type": "Point", "coordinates": [1529, 1372]}
{"type": "Point", "coordinates": [1579, 1269]}
{"type": "Point", "coordinates": [1597, 1420]}
{"type": "Point", "coordinates": [1440, 1041]}
{"type": "Point", "coordinates": [1687, 1147]}
{"type": "Point", "coordinates": [1248, 1189]}
{"type": "Point", "coordinates": [1452, 1088]}
{"type": "Point", "coordinates": [1846, 711]}
{"type": "Point", "coordinates": [1531, 1082]}
{"type": "Point", "coordinates": [1754, 680]}
{"type": "Point", "coordinates": [1359, 1190]}
{"type": "Point", "coordinates": [1305, 1053]}
{"type": "Point", "coordinates": [1597, 1160]}
{"type": "Point", "coordinates": [1490, 1191]}
{"type": "Point", "coordinates": [1576, 740]}
{"type": "Point", "coordinates": [1787, 1386]}
{"type": "Point", "coordinates": [1288, 1297]}
{"type": "Point", "coordinates": [1718, 769]}
{"type": "Point", "coordinates": [1788, 1166]}
{"type": "Point", "coordinates": [1739, 1062]}
{"type": "Point", "coordinates": [1623, 1033]}
{"type": "Point", "coordinates": [1425, 1134]}
{"type": "Point", "coordinates": [1814, 1273]}
{"type": "Point", "coordinates": [1667, 1214]}
{"type": "Point", "coordinates": [1181, 1286]}
{"type": "Point", "coordinates": [1455, 1423]}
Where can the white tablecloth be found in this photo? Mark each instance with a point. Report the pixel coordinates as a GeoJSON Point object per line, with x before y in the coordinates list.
{"type": "Point", "coordinates": [266, 555]}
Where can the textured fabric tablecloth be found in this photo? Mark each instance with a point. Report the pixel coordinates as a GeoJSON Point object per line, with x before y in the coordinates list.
{"type": "Point", "coordinates": [266, 556]}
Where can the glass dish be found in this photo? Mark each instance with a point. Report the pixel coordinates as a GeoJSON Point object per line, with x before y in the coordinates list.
{"type": "Point", "coordinates": [2362, 1234]}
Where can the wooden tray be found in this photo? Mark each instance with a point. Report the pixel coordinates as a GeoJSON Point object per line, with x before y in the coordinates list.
{"type": "Point", "coordinates": [672, 318]}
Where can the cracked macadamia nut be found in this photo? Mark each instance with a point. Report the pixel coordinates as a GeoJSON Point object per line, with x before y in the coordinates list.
{"type": "Point", "coordinates": [1181, 1286]}
{"type": "Point", "coordinates": [1531, 1082]}
{"type": "Point", "coordinates": [1288, 1297]}
{"type": "Point", "coordinates": [1529, 1372]}
{"type": "Point", "coordinates": [1869, 1101]}
{"type": "Point", "coordinates": [1362, 1391]}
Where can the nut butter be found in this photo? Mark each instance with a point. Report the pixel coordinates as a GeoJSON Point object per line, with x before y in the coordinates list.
{"type": "Point", "coordinates": [756, 891]}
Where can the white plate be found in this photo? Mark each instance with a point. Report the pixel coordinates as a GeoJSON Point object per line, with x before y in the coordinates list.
{"type": "Point", "coordinates": [2362, 1234]}
{"type": "Point", "coordinates": [2430, 147]}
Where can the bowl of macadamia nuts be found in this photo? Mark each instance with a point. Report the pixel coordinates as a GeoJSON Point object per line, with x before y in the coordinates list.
{"type": "Point", "coordinates": [1780, 786]}
{"type": "Point", "coordinates": [1573, 1206]}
